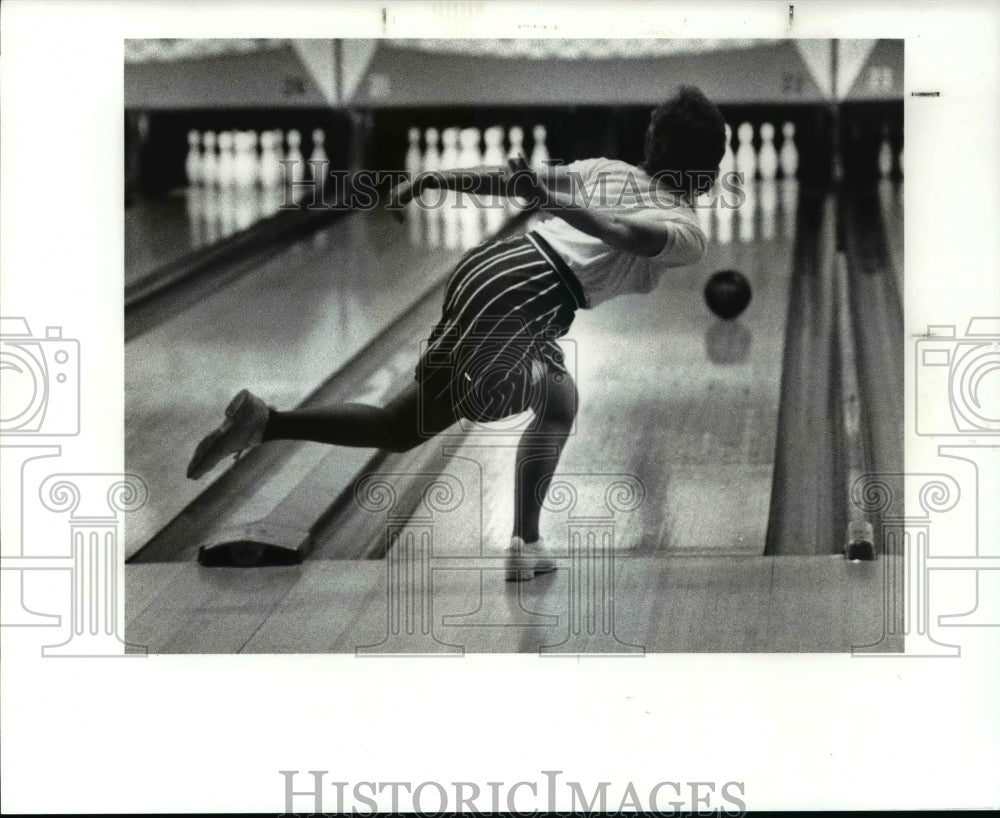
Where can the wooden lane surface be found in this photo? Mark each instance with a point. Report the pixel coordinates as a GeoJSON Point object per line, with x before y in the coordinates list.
{"type": "Point", "coordinates": [666, 396]}
{"type": "Point", "coordinates": [280, 330]}
{"type": "Point", "coordinates": [662, 604]}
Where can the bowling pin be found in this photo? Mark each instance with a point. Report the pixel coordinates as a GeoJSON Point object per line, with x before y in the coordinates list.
{"type": "Point", "coordinates": [516, 138]}
{"type": "Point", "coordinates": [468, 154]}
{"type": "Point", "coordinates": [431, 216]}
{"type": "Point", "coordinates": [432, 157]}
{"type": "Point", "coordinates": [274, 174]}
{"type": "Point", "coordinates": [789, 158]}
{"type": "Point", "coordinates": [413, 161]}
{"type": "Point", "coordinates": [746, 158]}
{"type": "Point", "coordinates": [493, 156]}
{"type": "Point", "coordinates": [885, 154]}
{"type": "Point", "coordinates": [270, 170]}
{"type": "Point", "coordinates": [294, 161]}
{"type": "Point", "coordinates": [470, 215]}
{"type": "Point", "coordinates": [473, 218]}
{"type": "Point", "coordinates": [449, 149]}
{"type": "Point", "coordinates": [539, 153]}
{"type": "Point", "coordinates": [227, 157]}
{"type": "Point", "coordinates": [244, 160]}
{"type": "Point", "coordinates": [318, 160]}
{"type": "Point", "coordinates": [192, 164]}
{"type": "Point", "coordinates": [493, 137]}
{"type": "Point", "coordinates": [209, 160]}
{"type": "Point", "coordinates": [768, 155]}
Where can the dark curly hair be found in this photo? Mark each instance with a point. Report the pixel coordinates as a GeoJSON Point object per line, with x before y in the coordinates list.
{"type": "Point", "coordinates": [685, 141]}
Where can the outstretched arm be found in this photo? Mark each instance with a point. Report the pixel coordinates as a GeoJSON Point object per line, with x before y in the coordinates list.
{"type": "Point", "coordinates": [643, 238]}
{"type": "Point", "coordinates": [482, 179]}
{"type": "Point", "coordinates": [555, 194]}
{"type": "Point", "coordinates": [513, 179]}
{"type": "Point", "coordinates": [486, 180]}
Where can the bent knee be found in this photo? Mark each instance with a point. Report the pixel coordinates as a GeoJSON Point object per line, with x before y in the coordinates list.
{"type": "Point", "coordinates": [557, 405]}
{"type": "Point", "coordinates": [557, 417]}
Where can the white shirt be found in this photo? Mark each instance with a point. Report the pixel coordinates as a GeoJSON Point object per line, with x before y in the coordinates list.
{"type": "Point", "coordinates": [617, 187]}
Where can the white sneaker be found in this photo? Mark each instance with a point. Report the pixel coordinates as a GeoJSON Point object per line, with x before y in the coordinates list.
{"type": "Point", "coordinates": [242, 429]}
{"type": "Point", "coordinates": [524, 560]}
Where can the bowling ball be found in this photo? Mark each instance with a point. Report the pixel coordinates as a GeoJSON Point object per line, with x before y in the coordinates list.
{"type": "Point", "coordinates": [727, 293]}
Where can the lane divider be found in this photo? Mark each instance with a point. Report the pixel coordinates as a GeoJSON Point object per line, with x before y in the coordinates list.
{"type": "Point", "coordinates": [860, 536]}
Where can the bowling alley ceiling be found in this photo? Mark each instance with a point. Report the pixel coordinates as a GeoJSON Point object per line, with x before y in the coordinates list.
{"type": "Point", "coordinates": [399, 73]}
{"type": "Point", "coordinates": [567, 49]}
{"type": "Point", "coordinates": [166, 50]}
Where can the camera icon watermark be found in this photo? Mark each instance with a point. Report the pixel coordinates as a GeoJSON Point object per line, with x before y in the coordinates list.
{"type": "Point", "coordinates": [41, 381]}
{"type": "Point", "coordinates": [966, 370]}
{"type": "Point", "coordinates": [493, 378]}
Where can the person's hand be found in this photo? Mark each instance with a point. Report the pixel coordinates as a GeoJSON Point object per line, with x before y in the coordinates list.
{"type": "Point", "coordinates": [527, 183]}
{"type": "Point", "coordinates": [399, 197]}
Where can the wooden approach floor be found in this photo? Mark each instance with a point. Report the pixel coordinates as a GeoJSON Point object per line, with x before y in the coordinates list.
{"type": "Point", "coordinates": [666, 604]}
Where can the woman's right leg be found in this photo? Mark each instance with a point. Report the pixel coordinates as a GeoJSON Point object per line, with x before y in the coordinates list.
{"type": "Point", "coordinates": [408, 420]}
{"type": "Point", "coordinates": [405, 422]}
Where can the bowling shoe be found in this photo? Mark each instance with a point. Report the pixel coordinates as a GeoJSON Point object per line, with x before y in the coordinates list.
{"type": "Point", "coordinates": [524, 560]}
{"type": "Point", "coordinates": [242, 429]}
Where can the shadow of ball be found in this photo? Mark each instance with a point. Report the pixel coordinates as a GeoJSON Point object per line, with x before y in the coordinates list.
{"type": "Point", "coordinates": [728, 342]}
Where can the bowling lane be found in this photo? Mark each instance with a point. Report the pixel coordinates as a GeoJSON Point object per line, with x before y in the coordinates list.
{"type": "Point", "coordinates": [159, 233]}
{"type": "Point", "coordinates": [671, 394]}
{"type": "Point", "coordinates": [689, 403]}
{"type": "Point", "coordinates": [891, 199]}
{"type": "Point", "coordinates": [280, 330]}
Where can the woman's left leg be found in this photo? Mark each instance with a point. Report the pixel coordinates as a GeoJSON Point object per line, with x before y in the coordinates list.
{"type": "Point", "coordinates": [540, 447]}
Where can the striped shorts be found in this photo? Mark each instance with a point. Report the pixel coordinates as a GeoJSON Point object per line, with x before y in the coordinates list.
{"type": "Point", "coordinates": [505, 305]}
